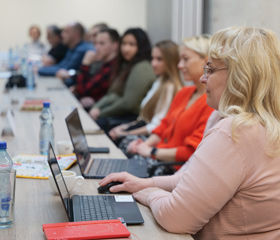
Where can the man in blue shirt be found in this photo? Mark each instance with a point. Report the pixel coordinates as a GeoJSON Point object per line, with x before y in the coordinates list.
{"type": "Point", "coordinates": [72, 36]}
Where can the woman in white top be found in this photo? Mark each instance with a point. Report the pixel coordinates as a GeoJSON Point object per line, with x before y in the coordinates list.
{"type": "Point", "coordinates": [35, 46]}
{"type": "Point", "coordinates": [165, 57]}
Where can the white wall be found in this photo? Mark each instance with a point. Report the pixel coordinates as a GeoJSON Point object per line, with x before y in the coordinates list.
{"type": "Point", "coordinates": [17, 15]}
{"type": "Point", "coordinates": [159, 20]}
{"type": "Point", "coordinates": [220, 14]}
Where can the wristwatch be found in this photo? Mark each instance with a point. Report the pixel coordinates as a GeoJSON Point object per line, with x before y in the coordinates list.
{"type": "Point", "coordinates": [72, 72]}
{"type": "Point", "coordinates": [154, 153]}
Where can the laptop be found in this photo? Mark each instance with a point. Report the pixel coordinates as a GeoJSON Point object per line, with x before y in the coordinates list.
{"type": "Point", "coordinates": [93, 207]}
{"type": "Point", "coordinates": [99, 168]}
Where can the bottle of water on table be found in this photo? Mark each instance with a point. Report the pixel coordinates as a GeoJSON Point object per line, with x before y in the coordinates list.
{"type": "Point", "coordinates": [46, 129]}
{"type": "Point", "coordinates": [6, 164]}
{"type": "Point", "coordinates": [30, 77]}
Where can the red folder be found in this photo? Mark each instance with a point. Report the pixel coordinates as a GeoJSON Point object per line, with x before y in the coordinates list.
{"type": "Point", "coordinates": [85, 230]}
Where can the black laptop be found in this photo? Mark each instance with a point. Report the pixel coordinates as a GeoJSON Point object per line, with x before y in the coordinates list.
{"type": "Point", "coordinates": [93, 207]}
{"type": "Point", "coordinates": [98, 168]}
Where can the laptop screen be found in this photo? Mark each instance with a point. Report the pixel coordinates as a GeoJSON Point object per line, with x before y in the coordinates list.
{"type": "Point", "coordinates": [78, 139]}
{"type": "Point", "coordinates": [59, 181]}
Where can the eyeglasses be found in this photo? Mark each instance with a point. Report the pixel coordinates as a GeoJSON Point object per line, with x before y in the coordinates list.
{"type": "Point", "coordinates": [208, 71]}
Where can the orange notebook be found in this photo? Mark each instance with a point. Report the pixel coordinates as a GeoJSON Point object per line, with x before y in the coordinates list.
{"type": "Point", "coordinates": [85, 230]}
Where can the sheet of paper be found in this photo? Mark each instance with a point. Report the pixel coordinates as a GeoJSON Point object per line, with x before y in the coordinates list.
{"type": "Point", "coordinates": [36, 166]}
{"type": "Point", "coordinates": [124, 198]}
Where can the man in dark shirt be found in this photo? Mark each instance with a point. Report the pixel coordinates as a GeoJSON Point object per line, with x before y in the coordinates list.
{"type": "Point", "coordinates": [91, 88]}
{"type": "Point", "coordinates": [58, 49]}
{"type": "Point", "coordinates": [72, 36]}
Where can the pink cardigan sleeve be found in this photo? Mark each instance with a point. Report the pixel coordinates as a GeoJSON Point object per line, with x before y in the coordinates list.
{"type": "Point", "coordinates": [167, 183]}
{"type": "Point", "coordinates": [213, 177]}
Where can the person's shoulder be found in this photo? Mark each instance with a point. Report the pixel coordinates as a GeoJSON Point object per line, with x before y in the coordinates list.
{"type": "Point", "coordinates": [61, 46]}
{"type": "Point", "coordinates": [143, 67]}
{"type": "Point", "coordinates": [157, 83]}
{"type": "Point", "coordinates": [186, 90]}
{"type": "Point", "coordinates": [222, 129]}
{"type": "Point", "coordinates": [226, 125]}
{"type": "Point", "coordinates": [145, 64]}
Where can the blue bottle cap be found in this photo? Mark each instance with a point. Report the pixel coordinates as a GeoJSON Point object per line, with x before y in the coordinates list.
{"type": "Point", "coordinates": [46, 104]}
{"type": "Point", "coordinates": [3, 145]}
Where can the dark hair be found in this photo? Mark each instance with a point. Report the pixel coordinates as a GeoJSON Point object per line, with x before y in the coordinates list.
{"type": "Point", "coordinates": [114, 35]}
{"type": "Point", "coordinates": [55, 30]}
{"type": "Point", "coordinates": [79, 27]}
{"type": "Point", "coordinates": [143, 53]}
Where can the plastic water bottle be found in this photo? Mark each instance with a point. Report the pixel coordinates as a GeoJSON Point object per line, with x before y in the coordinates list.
{"type": "Point", "coordinates": [10, 60]}
{"type": "Point", "coordinates": [46, 130]}
{"type": "Point", "coordinates": [30, 77]}
{"type": "Point", "coordinates": [6, 163]}
{"type": "Point", "coordinates": [24, 68]}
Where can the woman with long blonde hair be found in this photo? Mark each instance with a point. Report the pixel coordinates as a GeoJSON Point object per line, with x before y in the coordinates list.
{"type": "Point", "coordinates": [230, 189]}
{"type": "Point", "coordinates": [181, 130]}
{"type": "Point", "coordinates": [165, 57]}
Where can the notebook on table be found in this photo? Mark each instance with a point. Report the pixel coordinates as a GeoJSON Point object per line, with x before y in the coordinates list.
{"type": "Point", "coordinates": [93, 207]}
{"type": "Point", "coordinates": [98, 168]}
{"type": "Point", "coordinates": [86, 230]}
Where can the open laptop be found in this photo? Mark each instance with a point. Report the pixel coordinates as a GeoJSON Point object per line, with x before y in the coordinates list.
{"type": "Point", "coordinates": [98, 168]}
{"type": "Point", "coordinates": [93, 207]}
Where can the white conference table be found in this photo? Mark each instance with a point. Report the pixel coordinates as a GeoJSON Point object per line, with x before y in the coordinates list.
{"type": "Point", "coordinates": [35, 202]}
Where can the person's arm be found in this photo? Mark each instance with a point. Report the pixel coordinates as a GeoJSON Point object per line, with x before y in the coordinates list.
{"type": "Point", "coordinates": [138, 131]}
{"type": "Point", "coordinates": [140, 147]}
{"type": "Point", "coordinates": [106, 100]}
{"type": "Point", "coordinates": [191, 141]}
{"type": "Point", "coordinates": [89, 58]}
{"type": "Point", "coordinates": [214, 176]}
{"type": "Point", "coordinates": [130, 183]}
{"type": "Point", "coordinates": [48, 70]}
{"type": "Point", "coordinates": [74, 60]}
{"type": "Point", "coordinates": [134, 184]}
{"type": "Point", "coordinates": [120, 130]}
{"type": "Point", "coordinates": [163, 154]}
{"type": "Point", "coordinates": [81, 79]}
{"type": "Point", "coordinates": [48, 60]}
{"type": "Point", "coordinates": [152, 140]}
{"type": "Point", "coordinates": [137, 84]}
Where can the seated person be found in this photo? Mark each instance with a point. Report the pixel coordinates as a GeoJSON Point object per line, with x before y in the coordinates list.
{"type": "Point", "coordinates": [165, 57]}
{"type": "Point", "coordinates": [96, 28]}
{"type": "Point", "coordinates": [231, 188]}
{"type": "Point", "coordinates": [72, 37]}
{"type": "Point", "coordinates": [35, 46]}
{"type": "Point", "coordinates": [91, 88]}
{"type": "Point", "coordinates": [132, 78]}
{"type": "Point", "coordinates": [181, 130]}
{"type": "Point", "coordinates": [58, 49]}
{"type": "Point", "coordinates": [96, 63]}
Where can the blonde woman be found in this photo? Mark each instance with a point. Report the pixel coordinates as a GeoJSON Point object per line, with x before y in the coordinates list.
{"type": "Point", "coordinates": [181, 130]}
{"type": "Point", "coordinates": [231, 188]}
{"type": "Point", "coordinates": [165, 57]}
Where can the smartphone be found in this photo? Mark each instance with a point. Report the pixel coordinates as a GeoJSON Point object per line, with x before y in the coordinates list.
{"type": "Point", "coordinates": [99, 150]}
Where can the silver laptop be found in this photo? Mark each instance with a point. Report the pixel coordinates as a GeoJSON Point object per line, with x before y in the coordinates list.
{"type": "Point", "coordinates": [98, 168]}
{"type": "Point", "coordinates": [93, 207]}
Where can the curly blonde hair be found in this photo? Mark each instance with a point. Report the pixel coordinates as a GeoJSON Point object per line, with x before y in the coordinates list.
{"type": "Point", "coordinates": [252, 56]}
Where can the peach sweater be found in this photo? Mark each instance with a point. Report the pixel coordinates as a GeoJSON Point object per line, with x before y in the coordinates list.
{"type": "Point", "coordinates": [231, 189]}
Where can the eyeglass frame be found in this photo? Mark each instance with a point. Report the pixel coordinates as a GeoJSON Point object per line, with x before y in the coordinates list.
{"type": "Point", "coordinates": [206, 68]}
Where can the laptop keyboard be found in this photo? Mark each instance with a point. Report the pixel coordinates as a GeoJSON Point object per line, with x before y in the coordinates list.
{"type": "Point", "coordinates": [110, 166]}
{"type": "Point", "coordinates": [95, 208]}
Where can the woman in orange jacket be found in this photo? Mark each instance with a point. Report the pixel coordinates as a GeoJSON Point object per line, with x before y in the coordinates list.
{"type": "Point", "coordinates": [180, 132]}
